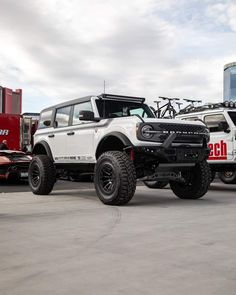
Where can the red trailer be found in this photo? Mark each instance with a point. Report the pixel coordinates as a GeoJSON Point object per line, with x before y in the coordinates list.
{"type": "Point", "coordinates": [18, 130]}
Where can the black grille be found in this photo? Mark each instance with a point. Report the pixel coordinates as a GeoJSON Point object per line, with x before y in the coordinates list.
{"type": "Point", "coordinates": [186, 134]}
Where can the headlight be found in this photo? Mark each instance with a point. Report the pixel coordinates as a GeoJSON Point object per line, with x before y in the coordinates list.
{"type": "Point", "coordinates": [146, 131]}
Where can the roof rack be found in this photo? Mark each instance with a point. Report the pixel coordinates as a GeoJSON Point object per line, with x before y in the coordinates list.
{"type": "Point", "coordinates": [209, 106]}
{"type": "Point", "coordinates": [122, 97]}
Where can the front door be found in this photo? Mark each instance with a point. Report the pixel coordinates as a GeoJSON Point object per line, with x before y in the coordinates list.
{"type": "Point", "coordinates": [221, 142]}
{"type": "Point", "coordinates": [80, 139]}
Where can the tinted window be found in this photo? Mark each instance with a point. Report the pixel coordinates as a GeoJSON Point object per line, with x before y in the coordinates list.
{"type": "Point", "coordinates": [63, 116]}
{"type": "Point", "coordinates": [85, 106]}
{"type": "Point", "coordinates": [139, 111]}
{"type": "Point", "coordinates": [233, 117]}
{"type": "Point", "coordinates": [113, 109]}
{"type": "Point", "coordinates": [45, 119]}
{"type": "Point", "coordinates": [212, 122]}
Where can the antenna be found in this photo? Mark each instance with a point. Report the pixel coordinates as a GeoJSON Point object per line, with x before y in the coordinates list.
{"type": "Point", "coordinates": [104, 86]}
{"type": "Point", "coordinates": [104, 102]}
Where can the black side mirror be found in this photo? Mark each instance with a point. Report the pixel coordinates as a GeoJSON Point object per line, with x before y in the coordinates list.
{"type": "Point", "coordinates": [47, 123]}
{"type": "Point", "coordinates": [223, 126]}
{"type": "Point", "coordinates": [87, 116]}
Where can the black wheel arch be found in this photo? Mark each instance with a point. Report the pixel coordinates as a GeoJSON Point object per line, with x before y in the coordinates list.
{"type": "Point", "coordinates": [113, 141]}
{"type": "Point", "coordinates": [42, 148]}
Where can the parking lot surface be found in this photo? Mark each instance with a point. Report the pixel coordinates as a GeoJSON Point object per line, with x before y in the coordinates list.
{"type": "Point", "coordinates": [70, 243]}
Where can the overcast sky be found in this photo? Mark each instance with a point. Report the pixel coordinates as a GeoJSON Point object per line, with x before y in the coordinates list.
{"type": "Point", "coordinates": [57, 50]}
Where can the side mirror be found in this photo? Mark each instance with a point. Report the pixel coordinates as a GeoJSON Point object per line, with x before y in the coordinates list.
{"type": "Point", "coordinates": [223, 126]}
{"type": "Point", "coordinates": [87, 116]}
{"type": "Point", "coordinates": [47, 123]}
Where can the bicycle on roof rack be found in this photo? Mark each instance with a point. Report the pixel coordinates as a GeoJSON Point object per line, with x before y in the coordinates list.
{"type": "Point", "coordinates": [168, 109]}
{"type": "Point", "coordinates": [208, 106]}
{"type": "Point", "coordinates": [191, 105]}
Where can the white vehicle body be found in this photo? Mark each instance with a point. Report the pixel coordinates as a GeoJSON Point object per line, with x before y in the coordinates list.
{"type": "Point", "coordinates": [78, 143]}
{"type": "Point", "coordinates": [118, 140]}
{"type": "Point", "coordinates": [82, 146]}
{"type": "Point", "coordinates": [222, 142]}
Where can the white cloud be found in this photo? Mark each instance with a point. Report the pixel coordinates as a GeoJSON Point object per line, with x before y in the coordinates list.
{"type": "Point", "coordinates": [57, 50]}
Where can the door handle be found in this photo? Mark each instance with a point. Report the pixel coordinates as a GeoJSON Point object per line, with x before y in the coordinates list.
{"type": "Point", "coordinates": [51, 135]}
{"type": "Point", "coordinates": [71, 133]}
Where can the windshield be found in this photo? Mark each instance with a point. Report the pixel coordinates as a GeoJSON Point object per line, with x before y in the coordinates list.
{"type": "Point", "coordinates": [233, 117]}
{"type": "Point", "coordinates": [114, 109]}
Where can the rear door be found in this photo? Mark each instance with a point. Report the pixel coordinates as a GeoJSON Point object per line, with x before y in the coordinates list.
{"type": "Point", "coordinates": [58, 137]}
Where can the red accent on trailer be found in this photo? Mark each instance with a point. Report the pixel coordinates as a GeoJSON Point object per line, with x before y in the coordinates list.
{"type": "Point", "coordinates": [10, 129]}
{"type": "Point", "coordinates": [17, 129]}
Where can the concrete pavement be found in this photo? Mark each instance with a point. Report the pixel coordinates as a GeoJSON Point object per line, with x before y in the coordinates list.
{"type": "Point", "coordinates": [70, 243]}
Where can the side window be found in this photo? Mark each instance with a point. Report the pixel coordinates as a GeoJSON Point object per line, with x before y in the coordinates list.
{"type": "Point", "coordinates": [84, 106]}
{"type": "Point", "coordinates": [63, 116]}
{"type": "Point", "coordinates": [45, 119]}
{"type": "Point", "coordinates": [212, 122]}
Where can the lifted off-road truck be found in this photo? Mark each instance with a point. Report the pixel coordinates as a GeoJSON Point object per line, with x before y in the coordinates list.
{"type": "Point", "coordinates": [119, 139]}
{"type": "Point", "coordinates": [220, 118]}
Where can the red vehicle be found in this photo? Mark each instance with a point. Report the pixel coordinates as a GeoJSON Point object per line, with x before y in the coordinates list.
{"type": "Point", "coordinates": [18, 130]}
{"type": "Point", "coordinates": [14, 165]}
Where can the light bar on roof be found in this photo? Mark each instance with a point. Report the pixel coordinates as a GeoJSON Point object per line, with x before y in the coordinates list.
{"type": "Point", "coordinates": [122, 97]}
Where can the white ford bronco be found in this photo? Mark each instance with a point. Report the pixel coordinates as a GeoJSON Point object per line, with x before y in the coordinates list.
{"type": "Point", "coordinates": [119, 140]}
{"type": "Point", "coordinates": [220, 118]}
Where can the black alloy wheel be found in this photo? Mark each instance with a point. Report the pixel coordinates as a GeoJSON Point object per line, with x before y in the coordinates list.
{"type": "Point", "coordinates": [115, 178]}
{"type": "Point", "coordinates": [107, 178]}
{"type": "Point", "coordinates": [196, 182]}
{"type": "Point", "coordinates": [228, 177]}
{"type": "Point", "coordinates": [42, 175]}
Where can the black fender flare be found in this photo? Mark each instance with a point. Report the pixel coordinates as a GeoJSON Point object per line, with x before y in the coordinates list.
{"type": "Point", "coordinates": [46, 146]}
{"type": "Point", "coordinates": [123, 138]}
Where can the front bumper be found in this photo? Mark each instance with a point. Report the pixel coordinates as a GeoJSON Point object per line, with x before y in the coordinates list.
{"type": "Point", "coordinates": [173, 154]}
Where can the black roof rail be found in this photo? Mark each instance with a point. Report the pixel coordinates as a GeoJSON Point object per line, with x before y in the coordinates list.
{"type": "Point", "coordinates": [208, 106]}
{"type": "Point", "coordinates": [121, 97]}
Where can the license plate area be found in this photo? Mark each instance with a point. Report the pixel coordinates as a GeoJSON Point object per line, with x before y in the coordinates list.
{"type": "Point", "coordinates": [23, 174]}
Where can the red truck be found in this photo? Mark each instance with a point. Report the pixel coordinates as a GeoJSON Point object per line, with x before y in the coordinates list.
{"type": "Point", "coordinates": [18, 130]}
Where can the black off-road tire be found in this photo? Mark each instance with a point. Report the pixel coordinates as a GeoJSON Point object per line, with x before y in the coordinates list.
{"type": "Point", "coordinates": [42, 175]}
{"type": "Point", "coordinates": [156, 184]}
{"type": "Point", "coordinates": [197, 181]}
{"type": "Point", "coordinates": [228, 177]}
{"type": "Point", "coordinates": [115, 178]}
